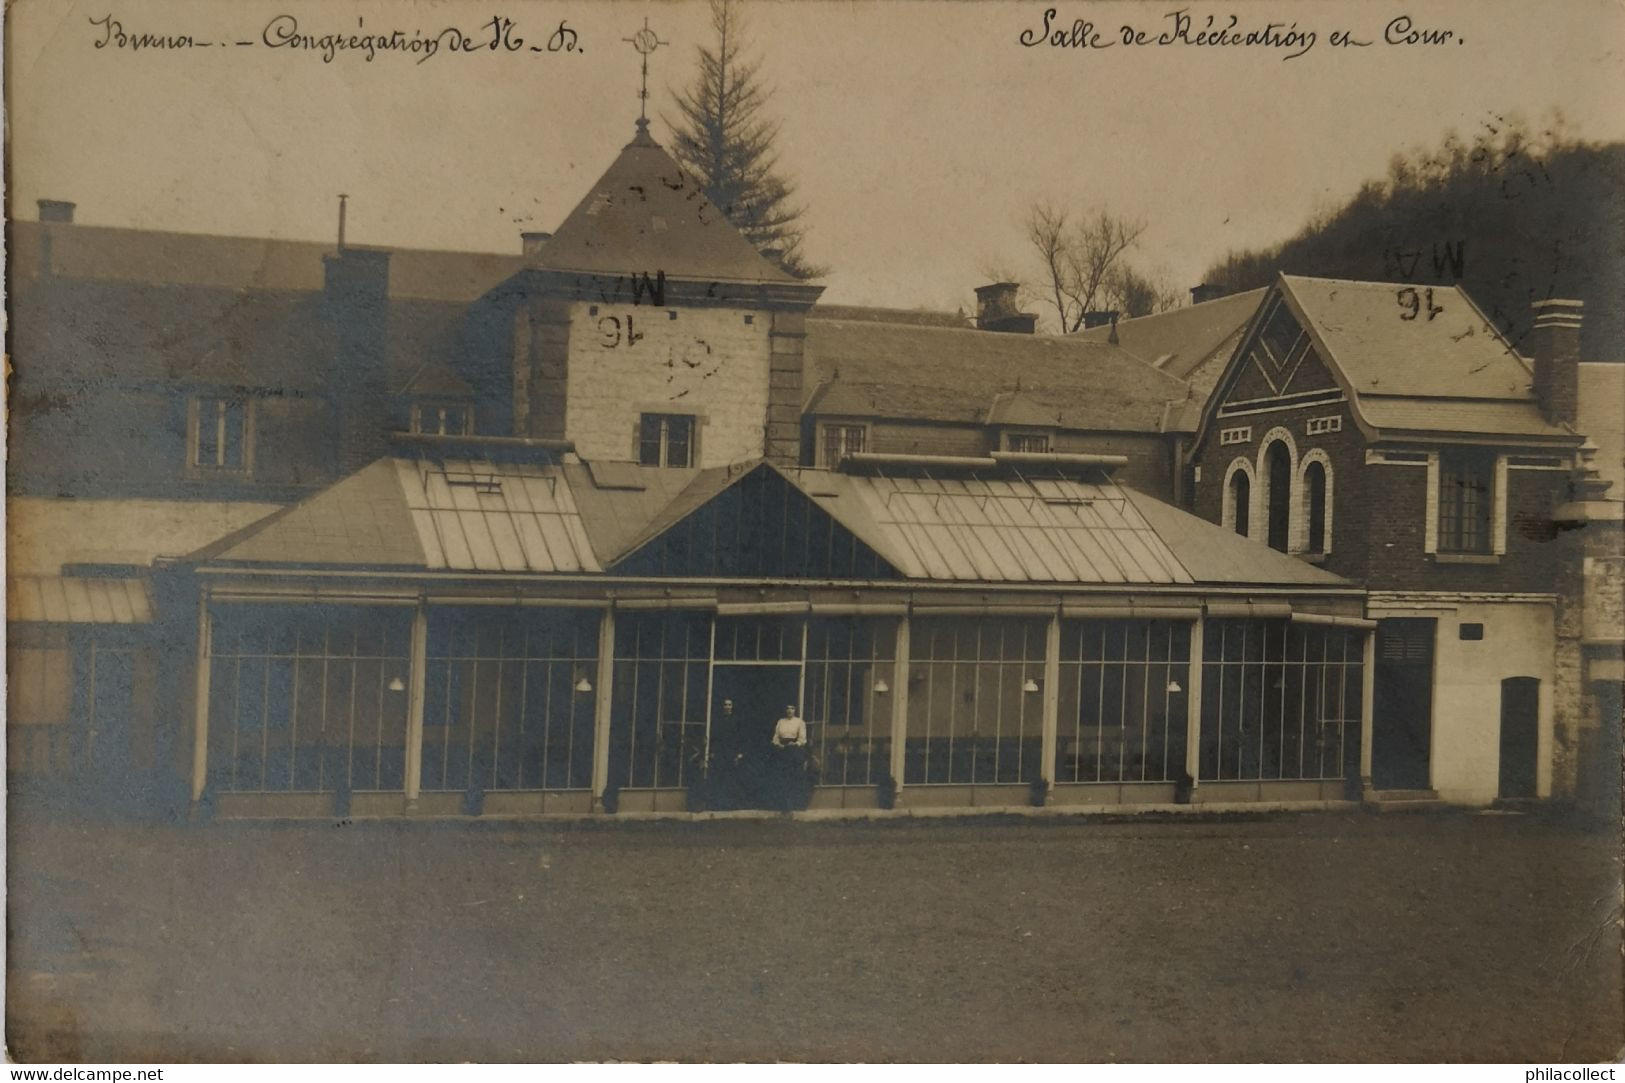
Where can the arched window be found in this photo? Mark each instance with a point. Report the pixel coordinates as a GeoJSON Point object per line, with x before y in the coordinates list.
{"type": "Point", "coordinates": [1238, 498]}
{"type": "Point", "coordinates": [1278, 492]}
{"type": "Point", "coordinates": [1314, 486]}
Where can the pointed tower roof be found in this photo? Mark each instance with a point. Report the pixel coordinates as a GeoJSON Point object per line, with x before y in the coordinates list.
{"type": "Point", "coordinates": [646, 215]}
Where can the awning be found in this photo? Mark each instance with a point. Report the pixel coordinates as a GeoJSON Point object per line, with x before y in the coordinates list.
{"type": "Point", "coordinates": [63, 599]}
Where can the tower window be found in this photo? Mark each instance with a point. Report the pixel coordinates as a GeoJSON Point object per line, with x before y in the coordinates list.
{"type": "Point", "coordinates": [220, 432]}
{"type": "Point", "coordinates": [442, 418]}
{"type": "Point", "coordinates": [666, 440]}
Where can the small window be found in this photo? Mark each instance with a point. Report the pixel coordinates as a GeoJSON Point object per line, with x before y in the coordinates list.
{"type": "Point", "coordinates": [1471, 631]}
{"type": "Point", "coordinates": [841, 441]}
{"type": "Point", "coordinates": [1319, 426]}
{"type": "Point", "coordinates": [1032, 443]}
{"type": "Point", "coordinates": [1240, 435]}
{"type": "Point", "coordinates": [666, 440]}
{"type": "Point", "coordinates": [1466, 493]}
{"type": "Point", "coordinates": [220, 432]}
{"type": "Point", "coordinates": [443, 418]}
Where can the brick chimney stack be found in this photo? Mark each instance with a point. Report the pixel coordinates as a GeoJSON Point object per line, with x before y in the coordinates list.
{"type": "Point", "coordinates": [1203, 292]}
{"type": "Point", "coordinates": [531, 243]}
{"type": "Point", "coordinates": [56, 210]}
{"type": "Point", "coordinates": [996, 310]}
{"type": "Point", "coordinates": [1554, 346]}
{"type": "Point", "coordinates": [355, 302]}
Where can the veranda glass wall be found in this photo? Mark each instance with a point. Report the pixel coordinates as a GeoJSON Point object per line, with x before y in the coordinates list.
{"type": "Point", "coordinates": [657, 731]}
{"type": "Point", "coordinates": [975, 709]}
{"type": "Point", "coordinates": [1122, 701]}
{"type": "Point", "coordinates": [1280, 700]}
{"type": "Point", "coordinates": [508, 698]}
{"type": "Point", "coordinates": [849, 698]}
{"type": "Point", "coordinates": [308, 698]}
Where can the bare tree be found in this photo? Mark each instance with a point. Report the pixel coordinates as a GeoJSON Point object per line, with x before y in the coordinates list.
{"type": "Point", "coordinates": [722, 137]}
{"type": "Point", "coordinates": [1082, 257]}
{"type": "Point", "coordinates": [1137, 293]}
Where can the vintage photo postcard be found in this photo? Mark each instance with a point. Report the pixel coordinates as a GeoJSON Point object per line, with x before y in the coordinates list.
{"type": "Point", "coordinates": [722, 530]}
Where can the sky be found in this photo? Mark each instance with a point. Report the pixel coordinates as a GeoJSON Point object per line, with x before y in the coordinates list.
{"type": "Point", "coordinates": [917, 133]}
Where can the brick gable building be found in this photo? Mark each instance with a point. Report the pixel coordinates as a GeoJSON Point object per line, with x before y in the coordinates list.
{"type": "Point", "coordinates": [1391, 435]}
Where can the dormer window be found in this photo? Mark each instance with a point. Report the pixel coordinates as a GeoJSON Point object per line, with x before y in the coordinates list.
{"type": "Point", "coordinates": [220, 433]}
{"type": "Point", "coordinates": [443, 418]}
{"type": "Point", "coordinates": [1033, 443]}
{"type": "Point", "coordinates": [837, 441]}
{"type": "Point", "coordinates": [666, 440]}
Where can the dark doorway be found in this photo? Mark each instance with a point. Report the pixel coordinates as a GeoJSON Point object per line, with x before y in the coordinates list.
{"type": "Point", "coordinates": [746, 702]}
{"type": "Point", "coordinates": [1520, 735]}
{"type": "Point", "coordinates": [1278, 489]}
{"type": "Point", "coordinates": [1402, 716]}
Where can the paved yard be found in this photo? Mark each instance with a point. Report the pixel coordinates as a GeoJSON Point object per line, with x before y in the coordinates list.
{"type": "Point", "coordinates": [1320, 936]}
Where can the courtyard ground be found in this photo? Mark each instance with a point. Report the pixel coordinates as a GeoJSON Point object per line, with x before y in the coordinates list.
{"type": "Point", "coordinates": [1447, 936]}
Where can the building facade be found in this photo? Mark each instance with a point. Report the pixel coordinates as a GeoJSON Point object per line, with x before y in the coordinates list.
{"type": "Point", "coordinates": [1391, 435]}
{"type": "Point", "coordinates": [299, 531]}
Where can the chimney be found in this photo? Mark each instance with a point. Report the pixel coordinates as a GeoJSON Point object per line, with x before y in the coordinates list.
{"type": "Point", "coordinates": [56, 210]}
{"type": "Point", "coordinates": [1204, 292]}
{"type": "Point", "coordinates": [1554, 346]}
{"type": "Point", "coordinates": [532, 243]}
{"type": "Point", "coordinates": [1100, 318]}
{"type": "Point", "coordinates": [355, 303]}
{"type": "Point", "coordinates": [996, 310]}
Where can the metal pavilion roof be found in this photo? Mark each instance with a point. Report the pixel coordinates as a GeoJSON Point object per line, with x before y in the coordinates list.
{"type": "Point", "coordinates": [967, 524]}
{"type": "Point", "coordinates": [62, 599]}
{"type": "Point", "coordinates": [1000, 529]}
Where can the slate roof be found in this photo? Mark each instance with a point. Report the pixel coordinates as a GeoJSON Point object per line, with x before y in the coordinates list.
{"type": "Point", "coordinates": [1183, 340]}
{"type": "Point", "coordinates": [917, 317]}
{"type": "Point", "coordinates": [1456, 353]}
{"type": "Point", "coordinates": [869, 369]}
{"type": "Point", "coordinates": [116, 254]}
{"type": "Point", "coordinates": [996, 527]}
{"type": "Point", "coordinates": [1452, 371]}
{"type": "Point", "coordinates": [83, 331]}
{"type": "Point", "coordinates": [646, 215]}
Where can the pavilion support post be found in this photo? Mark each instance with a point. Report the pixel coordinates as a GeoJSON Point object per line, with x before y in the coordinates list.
{"type": "Point", "coordinates": [1193, 707]}
{"type": "Point", "coordinates": [899, 703]}
{"type": "Point", "coordinates": [602, 703]}
{"type": "Point", "coordinates": [1051, 722]}
{"type": "Point", "coordinates": [200, 715]}
{"type": "Point", "coordinates": [1368, 698]}
{"type": "Point", "coordinates": [416, 678]}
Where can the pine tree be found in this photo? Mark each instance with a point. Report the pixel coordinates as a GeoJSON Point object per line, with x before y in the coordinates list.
{"type": "Point", "coordinates": [722, 137]}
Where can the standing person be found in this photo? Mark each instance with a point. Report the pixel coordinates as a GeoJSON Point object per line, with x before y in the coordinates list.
{"type": "Point", "coordinates": [790, 752]}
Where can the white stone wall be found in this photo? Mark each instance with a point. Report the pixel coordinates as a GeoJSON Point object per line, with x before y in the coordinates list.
{"type": "Point", "coordinates": [1520, 640]}
{"type": "Point", "coordinates": [627, 360]}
